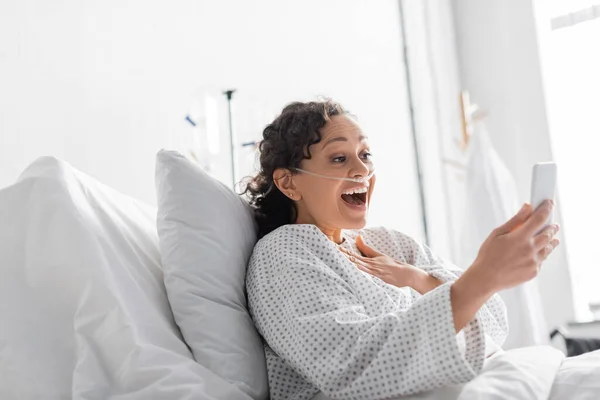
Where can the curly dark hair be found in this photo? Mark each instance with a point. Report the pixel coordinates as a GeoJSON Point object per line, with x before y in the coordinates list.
{"type": "Point", "coordinates": [286, 142]}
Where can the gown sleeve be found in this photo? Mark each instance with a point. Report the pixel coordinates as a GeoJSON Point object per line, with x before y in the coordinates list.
{"type": "Point", "coordinates": [313, 320]}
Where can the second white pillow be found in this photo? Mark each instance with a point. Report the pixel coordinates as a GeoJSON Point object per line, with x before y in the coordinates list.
{"type": "Point", "coordinates": [207, 233]}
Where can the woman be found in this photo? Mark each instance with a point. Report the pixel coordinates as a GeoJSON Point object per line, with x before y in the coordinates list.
{"type": "Point", "coordinates": [366, 313]}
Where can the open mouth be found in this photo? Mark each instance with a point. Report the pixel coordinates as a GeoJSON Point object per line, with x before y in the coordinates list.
{"type": "Point", "coordinates": [355, 199]}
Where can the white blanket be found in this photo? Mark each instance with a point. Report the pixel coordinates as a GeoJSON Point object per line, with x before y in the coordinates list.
{"type": "Point", "coordinates": [529, 373]}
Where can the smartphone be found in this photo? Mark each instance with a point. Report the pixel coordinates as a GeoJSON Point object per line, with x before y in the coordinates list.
{"type": "Point", "coordinates": [543, 184]}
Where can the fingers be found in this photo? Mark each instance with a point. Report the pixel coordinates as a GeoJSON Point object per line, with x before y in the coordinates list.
{"type": "Point", "coordinates": [365, 249]}
{"type": "Point", "coordinates": [547, 250]}
{"type": "Point", "coordinates": [345, 251]}
{"type": "Point", "coordinates": [538, 219]}
{"type": "Point", "coordinates": [351, 255]}
{"type": "Point", "coordinates": [515, 221]}
{"type": "Point", "coordinates": [368, 260]}
{"type": "Point", "coordinates": [361, 264]}
{"type": "Point", "coordinates": [545, 237]}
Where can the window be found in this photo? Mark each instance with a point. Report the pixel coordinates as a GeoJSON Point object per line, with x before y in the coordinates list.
{"type": "Point", "coordinates": [571, 55]}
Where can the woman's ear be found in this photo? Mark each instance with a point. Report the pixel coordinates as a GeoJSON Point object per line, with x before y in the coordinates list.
{"type": "Point", "coordinates": [284, 180]}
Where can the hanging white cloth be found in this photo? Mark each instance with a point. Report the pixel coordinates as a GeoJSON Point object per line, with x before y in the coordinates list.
{"type": "Point", "coordinates": [491, 200]}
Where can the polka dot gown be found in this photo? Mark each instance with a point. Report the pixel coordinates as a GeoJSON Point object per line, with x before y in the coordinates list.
{"type": "Point", "coordinates": [331, 327]}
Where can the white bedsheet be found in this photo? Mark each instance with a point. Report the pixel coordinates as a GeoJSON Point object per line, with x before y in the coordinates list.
{"type": "Point", "coordinates": [83, 309]}
{"type": "Point", "coordinates": [529, 373]}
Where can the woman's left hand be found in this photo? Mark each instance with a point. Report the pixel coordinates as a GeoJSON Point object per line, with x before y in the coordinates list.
{"type": "Point", "coordinates": [389, 270]}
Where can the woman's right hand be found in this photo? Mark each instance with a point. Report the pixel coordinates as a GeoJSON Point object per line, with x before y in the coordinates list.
{"type": "Point", "coordinates": [513, 253]}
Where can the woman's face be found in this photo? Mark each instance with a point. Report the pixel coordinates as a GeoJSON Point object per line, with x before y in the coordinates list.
{"type": "Point", "coordinates": [335, 204]}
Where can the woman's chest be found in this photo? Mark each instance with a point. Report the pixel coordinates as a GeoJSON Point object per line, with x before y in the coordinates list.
{"type": "Point", "coordinates": [376, 296]}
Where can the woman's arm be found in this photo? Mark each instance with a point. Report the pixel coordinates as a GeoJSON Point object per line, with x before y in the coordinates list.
{"type": "Point", "coordinates": [469, 297]}
{"type": "Point", "coordinates": [512, 254]}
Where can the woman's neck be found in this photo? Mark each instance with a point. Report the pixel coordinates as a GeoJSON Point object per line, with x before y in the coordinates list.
{"type": "Point", "coordinates": [335, 235]}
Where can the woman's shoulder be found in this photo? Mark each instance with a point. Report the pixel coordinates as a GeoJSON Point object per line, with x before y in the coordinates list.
{"type": "Point", "coordinates": [290, 235]}
{"type": "Point", "coordinates": [288, 244]}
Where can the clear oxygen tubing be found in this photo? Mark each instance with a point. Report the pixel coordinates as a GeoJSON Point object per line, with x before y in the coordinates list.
{"type": "Point", "coordinates": [364, 179]}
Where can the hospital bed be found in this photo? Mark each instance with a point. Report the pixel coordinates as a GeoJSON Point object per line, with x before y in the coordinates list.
{"type": "Point", "coordinates": [85, 312]}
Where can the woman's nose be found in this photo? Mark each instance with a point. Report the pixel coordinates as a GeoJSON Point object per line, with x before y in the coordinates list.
{"type": "Point", "coordinates": [360, 168]}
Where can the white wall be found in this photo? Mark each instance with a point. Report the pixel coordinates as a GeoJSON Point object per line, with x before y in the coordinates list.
{"type": "Point", "coordinates": [500, 66]}
{"type": "Point", "coordinates": [104, 85]}
{"type": "Point", "coordinates": [435, 88]}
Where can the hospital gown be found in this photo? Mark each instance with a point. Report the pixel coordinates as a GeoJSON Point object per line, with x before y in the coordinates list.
{"type": "Point", "coordinates": [329, 327]}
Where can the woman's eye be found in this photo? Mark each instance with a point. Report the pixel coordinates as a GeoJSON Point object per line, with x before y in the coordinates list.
{"type": "Point", "coordinates": [341, 159]}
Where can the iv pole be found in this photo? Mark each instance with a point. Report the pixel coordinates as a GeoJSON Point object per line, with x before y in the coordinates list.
{"type": "Point", "coordinates": [229, 95]}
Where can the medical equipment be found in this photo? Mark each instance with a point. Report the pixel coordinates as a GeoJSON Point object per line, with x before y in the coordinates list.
{"type": "Point", "coordinates": [364, 179]}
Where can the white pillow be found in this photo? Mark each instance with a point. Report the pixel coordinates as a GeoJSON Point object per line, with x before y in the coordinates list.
{"type": "Point", "coordinates": [83, 308]}
{"type": "Point", "coordinates": [206, 234]}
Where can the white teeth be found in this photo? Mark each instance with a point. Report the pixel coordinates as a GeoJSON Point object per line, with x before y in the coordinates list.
{"type": "Point", "coordinates": [356, 190]}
